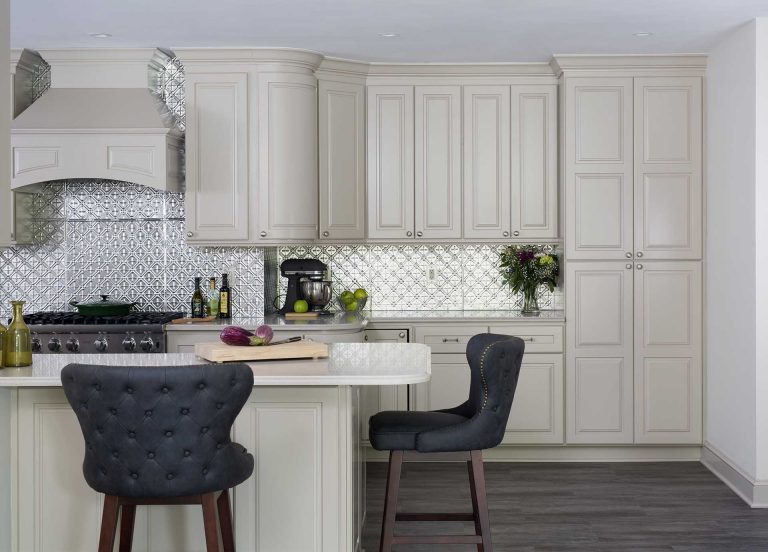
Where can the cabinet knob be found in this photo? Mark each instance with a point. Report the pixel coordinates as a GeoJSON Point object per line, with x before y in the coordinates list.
{"type": "Point", "coordinates": [326, 234]}
{"type": "Point", "coordinates": [190, 234]}
{"type": "Point", "coordinates": [401, 335]}
{"type": "Point", "coordinates": [263, 234]}
{"type": "Point", "coordinates": [419, 234]}
{"type": "Point", "coordinates": [629, 266]}
{"type": "Point", "coordinates": [13, 235]}
{"type": "Point", "coordinates": [639, 267]}
{"type": "Point", "coordinates": [409, 233]}
{"type": "Point", "coordinates": [505, 234]}
{"type": "Point", "coordinates": [639, 254]}
{"type": "Point", "coordinates": [515, 233]}
{"type": "Point", "coordinates": [365, 338]}
{"type": "Point", "coordinates": [628, 255]}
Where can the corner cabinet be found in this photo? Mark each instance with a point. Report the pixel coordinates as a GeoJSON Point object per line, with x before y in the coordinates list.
{"type": "Point", "coordinates": [218, 188]}
{"type": "Point", "coordinates": [251, 146]}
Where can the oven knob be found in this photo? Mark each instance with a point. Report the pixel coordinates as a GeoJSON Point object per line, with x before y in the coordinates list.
{"type": "Point", "coordinates": [54, 345]}
{"type": "Point", "coordinates": [101, 343]}
{"type": "Point", "coordinates": [73, 345]}
{"type": "Point", "coordinates": [147, 344]}
{"type": "Point", "coordinates": [129, 344]}
{"type": "Point", "coordinates": [36, 344]}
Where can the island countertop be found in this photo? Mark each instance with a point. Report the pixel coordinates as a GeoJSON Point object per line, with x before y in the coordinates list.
{"type": "Point", "coordinates": [348, 364]}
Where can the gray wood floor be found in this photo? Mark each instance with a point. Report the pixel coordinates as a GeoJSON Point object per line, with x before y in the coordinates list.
{"type": "Point", "coordinates": [618, 507]}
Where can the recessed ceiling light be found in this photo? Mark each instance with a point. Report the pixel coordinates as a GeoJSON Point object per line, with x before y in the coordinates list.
{"type": "Point", "coordinates": [389, 35]}
{"type": "Point", "coordinates": [99, 35]}
{"type": "Point", "coordinates": [643, 34]}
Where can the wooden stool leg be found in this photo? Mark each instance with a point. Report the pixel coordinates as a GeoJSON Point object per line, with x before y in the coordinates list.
{"type": "Point", "coordinates": [480, 501]}
{"type": "Point", "coordinates": [108, 523]}
{"type": "Point", "coordinates": [225, 521]}
{"type": "Point", "coordinates": [208, 501]}
{"type": "Point", "coordinates": [126, 527]}
{"type": "Point", "coordinates": [390, 500]}
{"type": "Point", "coordinates": [475, 513]}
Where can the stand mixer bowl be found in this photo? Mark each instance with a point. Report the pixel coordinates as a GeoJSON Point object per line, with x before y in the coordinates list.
{"type": "Point", "coordinates": [318, 293]}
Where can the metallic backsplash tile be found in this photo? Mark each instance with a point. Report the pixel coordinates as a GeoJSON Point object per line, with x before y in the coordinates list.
{"type": "Point", "coordinates": [122, 239]}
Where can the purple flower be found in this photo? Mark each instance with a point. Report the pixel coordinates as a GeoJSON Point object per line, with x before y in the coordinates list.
{"type": "Point", "coordinates": [525, 256]}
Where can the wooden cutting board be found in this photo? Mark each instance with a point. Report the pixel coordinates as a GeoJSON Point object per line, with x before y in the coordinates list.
{"type": "Point", "coordinates": [221, 352]}
{"type": "Point", "coordinates": [301, 315]}
{"type": "Point", "coordinates": [193, 320]}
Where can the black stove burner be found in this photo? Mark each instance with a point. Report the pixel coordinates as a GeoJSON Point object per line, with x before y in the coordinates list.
{"type": "Point", "coordinates": [138, 317]}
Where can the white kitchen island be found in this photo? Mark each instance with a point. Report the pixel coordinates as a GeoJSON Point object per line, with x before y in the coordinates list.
{"type": "Point", "coordinates": [301, 423]}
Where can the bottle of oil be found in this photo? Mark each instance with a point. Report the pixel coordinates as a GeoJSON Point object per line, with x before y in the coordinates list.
{"type": "Point", "coordinates": [225, 298]}
{"type": "Point", "coordinates": [17, 341]}
{"type": "Point", "coordinates": [2, 336]}
{"type": "Point", "coordinates": [198, 303]}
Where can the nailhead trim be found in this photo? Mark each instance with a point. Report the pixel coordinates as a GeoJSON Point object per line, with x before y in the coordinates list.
{"type": "Point", "coordinates": [482, 371]}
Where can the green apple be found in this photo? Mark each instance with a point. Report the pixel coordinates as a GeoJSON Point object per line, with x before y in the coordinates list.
{"type": "Point", "coordinates": [300, 306]}
{"type": "Point", "coordinates": [347, 296]}
{"type": "Point", "coordinates": [351, 306]}
{"type": "Point", "coordinates": [360, 293]}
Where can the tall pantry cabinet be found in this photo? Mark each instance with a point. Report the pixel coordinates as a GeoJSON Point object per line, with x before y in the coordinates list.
{"type": "Point", "coordinates": [632, 178]}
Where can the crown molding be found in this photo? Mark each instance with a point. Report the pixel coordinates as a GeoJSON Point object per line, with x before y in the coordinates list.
{"type": "Point", "coordinates": [339, 67]}
{"type": "Point", "coordinates": [620, 63]}
{"type": "Point", "coordinates": [306, 59]}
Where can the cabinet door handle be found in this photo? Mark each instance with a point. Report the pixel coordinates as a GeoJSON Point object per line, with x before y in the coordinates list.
{"type": "Point", "coordinates": [190, 234]}
{"type": "Point", "coordinates": [515, 233]}
{"type": "Point", "coordinates": [629, 266]}
{"type": "Point", "coordinates": [409, 233]}
{"type": "Point", "coordinates": [628, 255]}
{"type": "Point", "coordinates": [450, 340]}
{"type": "Point", "coordinates": [639, 267]}
{"type": "Point", "coordinates": [365, 338]}
{"type": "Point", "coordinates": [505, 234]}
{"type": "Point", "coordinates": [419, 234]}
{"type": "Point", "coordinates": [401, 335]}
{"type": "Point", "coordinates": [263, 234]}
{"type": "Point", "coordinates": [531, 339]}
{"type": "Point", "coordinates": [326, 234]}
{"type": "Point", "coordinates": [639, 254]}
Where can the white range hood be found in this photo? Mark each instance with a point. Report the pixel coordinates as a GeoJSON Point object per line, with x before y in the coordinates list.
{"type": "Point", "coordinates": [81, 129]}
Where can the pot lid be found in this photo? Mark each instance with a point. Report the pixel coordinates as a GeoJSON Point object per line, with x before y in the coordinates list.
{"type": "Point", "coordinates": [105, 301]}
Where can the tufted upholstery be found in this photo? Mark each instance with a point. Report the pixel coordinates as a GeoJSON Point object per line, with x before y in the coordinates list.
{"type": "Point", "coordinates": [160, 431]}
{"type": "Point", "coordinates": [478, 423]}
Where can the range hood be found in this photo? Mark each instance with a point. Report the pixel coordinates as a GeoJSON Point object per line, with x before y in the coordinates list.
{"type": "Point", "coordinates": [80, 129]}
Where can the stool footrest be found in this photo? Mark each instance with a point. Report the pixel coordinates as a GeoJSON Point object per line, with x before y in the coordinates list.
{"type": "Point", "coordinates": [437, 539]}
{"type": "Point", "coordinates": [447, 516]}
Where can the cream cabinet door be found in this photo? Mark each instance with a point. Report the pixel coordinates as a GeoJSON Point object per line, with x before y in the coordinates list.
{"type": "Point", "coordinates": [598, 168]}
{"type": "Point", "coordinates": [287, 157]}
{"type": "Point", "coordinates": [668, 359]}
{"type": "Point", "coordinates": [57, 511]}
{"type": "Point", "coordinates": [533, 161]}
{"type": "Point", "coordinates": [438, 162]}
{"type": "Point", "coordinates": [537, 408]}
{"type": "Point", "coordinates": [486, 162]}
{"type": "Point", "coordinates": [217, 180]}
{"type": "Point", "coordinates": [390, 162]}
{"type": "Point", "coordinates": [599, 376]}
{"type": "Point", "coordinates": [668, 167]}
{"type": "Point", "coordinates": [448, 386]}
{"type": "Point", "coordinates": [342, 160]}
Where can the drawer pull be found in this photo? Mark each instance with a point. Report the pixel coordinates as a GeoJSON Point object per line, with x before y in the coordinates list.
{"type": "Point", "coordinates": [531, 339]}
{"type": "Point", "coordinates": [450, 340]}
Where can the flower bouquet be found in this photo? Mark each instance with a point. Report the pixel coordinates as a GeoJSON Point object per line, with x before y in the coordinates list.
{"type": "Point", "coordinates": [526, 267]}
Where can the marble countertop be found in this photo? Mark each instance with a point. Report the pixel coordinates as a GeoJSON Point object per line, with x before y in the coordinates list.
{"type": "Point", "coordinates": [347, 364]}
{"type": "Point", "coordinates": [349, 322]}
{"type": "Point", "coordinates": [465, 315]}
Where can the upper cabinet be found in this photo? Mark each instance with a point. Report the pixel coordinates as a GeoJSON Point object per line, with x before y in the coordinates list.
{"type": "Point", "coordinates": [7, 225]}
{"type": "Point", "coordinates": [632, 173]}
{"type": "Point", "coordinates": [251, 146]}
{"type": "Point", "coordinates": [487, 208]}
{"type": "Point", "coordinates": [474, 162]}
{"type": "Point", "coordinates": [342, 159]}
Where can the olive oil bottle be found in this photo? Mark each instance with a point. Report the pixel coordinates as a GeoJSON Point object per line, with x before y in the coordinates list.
{"type": "Point", "coordinates": [225, 298]}
{"type": "Point", "coordinates": [17, 341]}
{"type": "Point", "coordinates": [198, 303]}
{"type": "Point", "coordinates": [2, 335]}
{"type": "Point", "coordinates": [213, 298]}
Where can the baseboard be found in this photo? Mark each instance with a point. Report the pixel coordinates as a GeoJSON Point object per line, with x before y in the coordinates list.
{"type": "Point", "coordinates": [754, 493]}
{"type": "Point", "coordinates": [577, 453]}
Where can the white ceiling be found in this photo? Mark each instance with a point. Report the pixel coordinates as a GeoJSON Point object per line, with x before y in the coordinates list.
{"type": "Point", "coordinates": [430, 30]}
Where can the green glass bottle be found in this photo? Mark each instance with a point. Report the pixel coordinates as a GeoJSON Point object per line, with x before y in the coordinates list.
{"type": "Point", "coordinates": [17, 341]}
{"type": "Point", "coordinates": [2, 335]}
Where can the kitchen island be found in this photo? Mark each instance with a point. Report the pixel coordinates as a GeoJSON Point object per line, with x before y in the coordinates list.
{"type": "Point", "coordinates": [301, 423]}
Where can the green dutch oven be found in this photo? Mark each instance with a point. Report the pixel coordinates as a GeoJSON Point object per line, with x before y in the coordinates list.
{"type": "Point", "coordinates": [102, 307]}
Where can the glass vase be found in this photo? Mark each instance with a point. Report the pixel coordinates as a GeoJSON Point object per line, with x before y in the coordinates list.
{"type": "Point", "coordinates": [530, 301]}
{"type": "Point", "coordinates": [17, 341]}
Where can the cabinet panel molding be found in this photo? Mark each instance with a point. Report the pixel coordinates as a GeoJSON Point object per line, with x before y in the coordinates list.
{"type": "Point", "coordinates": [537, 409]}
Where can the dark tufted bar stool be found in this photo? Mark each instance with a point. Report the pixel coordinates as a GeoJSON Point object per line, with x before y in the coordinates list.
{"type": "Point", "coordinates": [160, 435]}
{"type": "Point", "coordinates": [477, 424]}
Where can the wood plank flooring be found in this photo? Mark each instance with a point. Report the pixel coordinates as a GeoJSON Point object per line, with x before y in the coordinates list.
{"type": "Point", "coordinates": [617, 507]}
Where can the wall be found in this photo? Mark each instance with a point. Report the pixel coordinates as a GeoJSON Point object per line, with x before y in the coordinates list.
{"type": "Point", "coordinates": [737, 238]}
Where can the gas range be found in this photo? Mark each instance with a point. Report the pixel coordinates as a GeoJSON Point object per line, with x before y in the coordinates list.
{"type": "Point", "coordinates": [139, 332]}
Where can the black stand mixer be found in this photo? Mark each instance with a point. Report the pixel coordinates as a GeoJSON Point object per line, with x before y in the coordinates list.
{"type": "Point", "coordinates": [304, 275]}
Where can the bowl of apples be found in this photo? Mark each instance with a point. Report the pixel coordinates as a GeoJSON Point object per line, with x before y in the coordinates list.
{"type": "Point", "coordinates": [352, 301]}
